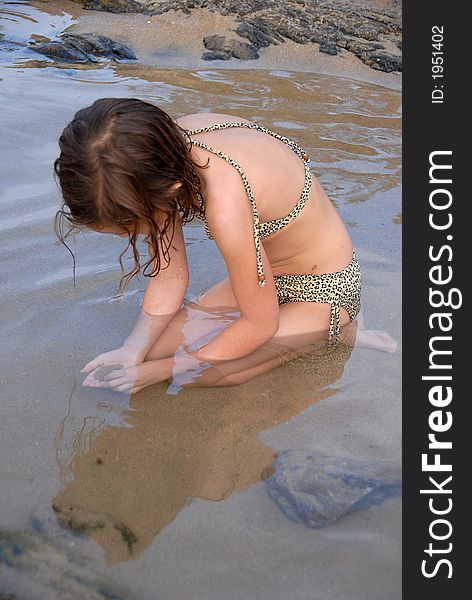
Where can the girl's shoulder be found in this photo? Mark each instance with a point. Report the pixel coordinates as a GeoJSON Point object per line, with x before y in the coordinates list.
{"type": "Point", "coordinates": [197, 120]}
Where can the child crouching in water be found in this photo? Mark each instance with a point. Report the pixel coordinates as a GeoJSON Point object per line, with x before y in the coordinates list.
{"type": "Point", "coordinates": [127, 168]}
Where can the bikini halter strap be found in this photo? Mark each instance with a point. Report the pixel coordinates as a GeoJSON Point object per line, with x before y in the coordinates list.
{"type": "Point", "coordinates": [292, 143]}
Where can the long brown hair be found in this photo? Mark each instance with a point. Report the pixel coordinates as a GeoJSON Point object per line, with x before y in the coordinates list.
{"type": "Point", "coordinates": [119, 159]}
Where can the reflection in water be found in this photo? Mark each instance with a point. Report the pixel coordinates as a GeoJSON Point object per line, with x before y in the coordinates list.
{"type": "Point", "coordinates": [123, 485]}
{"type": "Point", "coordinates": [351, 129]}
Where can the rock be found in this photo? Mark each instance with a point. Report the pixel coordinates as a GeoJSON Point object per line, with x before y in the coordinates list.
{"type": "Point", "coordinates": [265, 22]}
{"type": "Point", "coordinates": [256, 36]}
{"type": "Point", "coordinates": [232, 48]}
{"type": "Point", "coordinates": [217, 55]}
{"type": "Point", "coordinates": [84, 47]}
{"type": "Point", "coordinates": [317, 489]}
{"type": "Point", "coordinates": [31, 562]}
{"type": "Point", "coordinates": [373, 54]}
{"type": "Point", "coordinates": [115, 6]}
{"type": "Point", "coordinates": [384, 61]}
{"type": "Point", "coordinates": [266, 30]}
{"type": "Point", "coordinates": [357, 46]}
{"type": "Point", "coordinates": [59, 51]}
{"type": "Point", "coordinates": [329, 48]}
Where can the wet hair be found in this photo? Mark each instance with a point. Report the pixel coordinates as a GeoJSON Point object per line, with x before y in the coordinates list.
{"type": "Point", "coordinates": [119, 159]}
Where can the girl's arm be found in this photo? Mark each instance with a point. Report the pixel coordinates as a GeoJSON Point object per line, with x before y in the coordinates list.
{"type": "Point", "coordinates": [231, 224]}
{"type": "Point", "coordinates": [163, 297]}
{"type": "Point", "coordinates": [232, 230]}
{"type": "Point", "coordinates": [162, 300]}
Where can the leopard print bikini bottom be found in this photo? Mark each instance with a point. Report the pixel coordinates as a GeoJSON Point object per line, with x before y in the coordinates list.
{"type": "Point", "coordinates": [340, 289]}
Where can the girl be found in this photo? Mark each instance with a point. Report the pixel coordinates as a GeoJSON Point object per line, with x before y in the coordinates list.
{"type": "Point", "coordinates": [127, 168]}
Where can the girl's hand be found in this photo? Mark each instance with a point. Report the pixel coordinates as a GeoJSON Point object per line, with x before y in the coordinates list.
{"type": "Point", "coordinates": [121, 379]}
{"type": "Point", "coordinates": [119, 358]}
{"type": "Point", "coordinates": [134, 378]}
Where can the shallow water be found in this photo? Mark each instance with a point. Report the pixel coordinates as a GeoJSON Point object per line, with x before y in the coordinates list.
{"type": "Point", "coordinates": [166, 489]}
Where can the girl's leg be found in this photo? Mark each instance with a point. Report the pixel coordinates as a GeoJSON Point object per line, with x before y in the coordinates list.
{"type": "Point", "coordinates": [217, 308]}
{"type": "Point", "coordinates": [189, 326]}
{"type": "Point", "coordinates": [302, 327]}
{"type": "Point", "coordinates": [220, 296]}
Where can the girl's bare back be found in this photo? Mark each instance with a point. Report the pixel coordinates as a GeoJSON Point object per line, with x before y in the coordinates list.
{"type": "Point", "coordinates": [317, 240]}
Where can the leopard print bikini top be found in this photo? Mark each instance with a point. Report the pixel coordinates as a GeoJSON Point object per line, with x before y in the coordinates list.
{"type": "Point", "coordinates": [269, 227]}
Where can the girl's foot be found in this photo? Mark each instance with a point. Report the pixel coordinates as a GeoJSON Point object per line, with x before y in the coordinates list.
{"type": "Point", "coordinates": [375, 339]}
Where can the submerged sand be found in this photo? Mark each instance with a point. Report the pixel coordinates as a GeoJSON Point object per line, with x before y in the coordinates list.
{"type": "Point", "coordinates": [169, 488]}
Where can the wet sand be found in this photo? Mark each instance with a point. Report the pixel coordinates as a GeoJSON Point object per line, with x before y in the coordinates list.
{"type": "Point", "coordinates": [169, 489]}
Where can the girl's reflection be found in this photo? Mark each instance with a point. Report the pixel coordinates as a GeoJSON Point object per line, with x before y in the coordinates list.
{"type": "Point", "coordinates": [130, 482]}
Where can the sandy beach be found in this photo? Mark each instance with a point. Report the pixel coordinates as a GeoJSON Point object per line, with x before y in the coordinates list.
{"type": "Point", "coordinates": [175, 39]}
{"type": "Point", "coordinates": [169, 496]}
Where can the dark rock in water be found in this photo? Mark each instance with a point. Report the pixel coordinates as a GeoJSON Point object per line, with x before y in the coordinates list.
{"type": "Point", "coordinates": [31, 562]}
{"type": "Point", "coordinates": [316, 489]}
{"type": "Point", "coordinates": [10, 45]}
{"type": "Point", "coordinates": [329, 48]}
{"type": "Point", "coordinates": [233, 48]}
{"type": "Point", "coordinates": [60, 51]}
{"type": "Point", "coordinates": [84, 47]}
